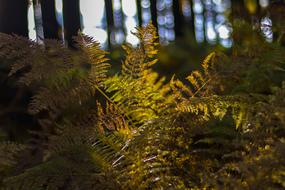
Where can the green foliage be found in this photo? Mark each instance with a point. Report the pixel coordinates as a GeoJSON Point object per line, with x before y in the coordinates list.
{"type": "Point", "coordinates": [139, 91]}
{"type": "Point", "coordinates": [224, 128]}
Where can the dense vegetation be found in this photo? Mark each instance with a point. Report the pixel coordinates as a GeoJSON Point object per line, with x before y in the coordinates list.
{"type": "Point", "coordinates": [222, 128]}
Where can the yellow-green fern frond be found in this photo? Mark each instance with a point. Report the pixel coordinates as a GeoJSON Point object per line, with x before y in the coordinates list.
{"type": "Point", "coordinates": [142, 99]}
{"type": "Point", "coordinates": [111, 118]}
{"type": "Point", "coordinates": [198, 80]}
{"type": "Point", "coordinates": [217, 107]}
{"type": "Point", "coordinates": [179, 89]}
{"type": "Point", "coordinates": [148, 40]}
{"type": "Point", "coordinates": [208, 62]}
{"type": "Point", "coordinates": [141, 58]}
{"type": "Point", "coordinates": [140, 92]}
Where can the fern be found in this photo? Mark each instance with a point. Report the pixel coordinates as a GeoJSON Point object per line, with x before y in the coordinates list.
{"type": "Point", "coordinates": [134, 130]}
{"type": "Point", "coordinates": [197, 79]}
{"type": "Point", "coordinates": [61, 168]}
{"type": "Point", "coordinates": [141, 58]}
{"type": "Point", "coordinates": [62, 77]}
{"type": "Point", "coordinates": [139, 90]}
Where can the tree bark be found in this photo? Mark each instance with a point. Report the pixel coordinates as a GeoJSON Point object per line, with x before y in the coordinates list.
{"type": "Point", "coordinates": [110, 19]}
{"type": "Point", "coordinates": [71, 19]}
{"type": "Point", "coordinates": [50, 24]}
{"type": "Point", "coordinates": [178, 18]}
{"type": "Point", "coordinates": [153, 12]}
{"type": "Point", "coordinates": [14, 17]}
{"type": "Point", "coordinates": [192, 20]}
{"type": "Point", "coordinates": [139, 10]}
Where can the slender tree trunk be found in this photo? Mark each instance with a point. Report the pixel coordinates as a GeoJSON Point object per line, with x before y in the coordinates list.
{"type": "Point", "coordinates": [14, 17]}
{"type": "Point", "coordinates": [192, 19]}
{"type": "Point", "coordinates": [204, 23]}
{"type": "Point", "coordinates": [139, 10]}
{"type": "Point", "coordinates": [50, 24]}
{"type": "Point", "coordinates": [153, 12]}
{"type": "Point", "coordinates": [71, 19]}
{"type": "Point", "coordinates": [110, 19]}
{"type": "Point", "coordinates": [178, 18]}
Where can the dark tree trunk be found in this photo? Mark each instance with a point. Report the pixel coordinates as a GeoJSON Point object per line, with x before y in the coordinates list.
{"type": "Point", "coordinates": [110, 19]}
{"type": "Point", "coordinates": [153, 12]}
{"type": "Point", "coordinates": [71, 20]}
{"type": "Point", "coordinates": [192, 19]}
{"type": "Point", "coordinates": [139, 9]}
{"type": "Point", "coordinates": [178, 18]}
{"type": "Point", "coordinates": [50, 24]}
{"type": "Point", "coordinates": [14, 17]}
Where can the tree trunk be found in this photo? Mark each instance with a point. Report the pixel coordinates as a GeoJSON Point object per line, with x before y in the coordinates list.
{"type": "Point", "coordinates": [153, 12]}
{"type": "Point", "coordinates": [139, 10]}
{"type": "Point", "coordinates": [14, 17]}
{"type": "Point", "coordinates": [178, 18]}
{"type": "Point", "coordinates": [110, 19]}
{"type": "Point", "coordinates": [192, 20]}
{"type": "Point", "coordinates": [71, 20]}
{"type": "Point", "coordinates": [50, 24]}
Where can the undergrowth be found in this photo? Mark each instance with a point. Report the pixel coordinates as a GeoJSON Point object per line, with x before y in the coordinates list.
{"type": "Point", "coordinates": [222, 129]}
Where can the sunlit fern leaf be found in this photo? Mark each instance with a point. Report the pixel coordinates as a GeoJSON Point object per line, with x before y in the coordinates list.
{"type": "Point", "coordinates": [148, 39]}
{"type": "Point", "coordinates": [200, 99]}
{"type": "Point", "coordinates": [112, 118]}
{"type": "Point", "coordinates": [141, 58]}
{"type": "Point", "coordinates": [139, 92]}
{"type": "Point", "coordinates": [179, 89]}
{"type": "Point", "coordinates": [148, 167]}
{"type": "Point", "coordinates": [164, 154]}
{"type": "Point", "coordinates": [141, 99]}
{"type": "Point", "coordinates": [198, 80]}
{"type": "Point", "coordinates": [218, 107]}
{"type": "Point", "coordinates": [208, 62]}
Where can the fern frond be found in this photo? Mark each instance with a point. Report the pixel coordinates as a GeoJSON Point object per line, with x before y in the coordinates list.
{"type": "Point", "coordinates": [8, 151]}
{"type": "Point", "coordinates": [217, 106]}
{"type": "Point", "coordinates": [179, 89]}
{"type": "Point", "coordinates": [140, 92]}
{"type": "Point", "coordinates": [165, 153]}
{"type": "Point", "coordinates": [73, 159]}
{"type": "Point", "coordinates": [148, 40]}
{"type": "Point", "coordinates": [9, 158]}
{"type": "Point", "coordinates": [198, 80]}
{"type": "Point", "coordinates": [142, 99]}
{"type": "Point", "coordinates": [95, 57]}
{"type": "Point", "coordinates": [141, 58]}
{"type": "Point", "coordinates": [208, 62]}
{"type": "Point", "coordinates": [112, 119]}
{"type": "Point", "coordinates": [61, 78]}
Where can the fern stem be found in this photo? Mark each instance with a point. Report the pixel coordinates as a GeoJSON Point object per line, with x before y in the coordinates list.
{"type": "Point", "coordinates": [201, 87]}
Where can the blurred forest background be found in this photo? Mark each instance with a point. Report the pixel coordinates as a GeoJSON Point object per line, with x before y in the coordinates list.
{"type": "Point", "coordinates": [188, 29]}
{"type": "Point", "coordinates": [202, 109]}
